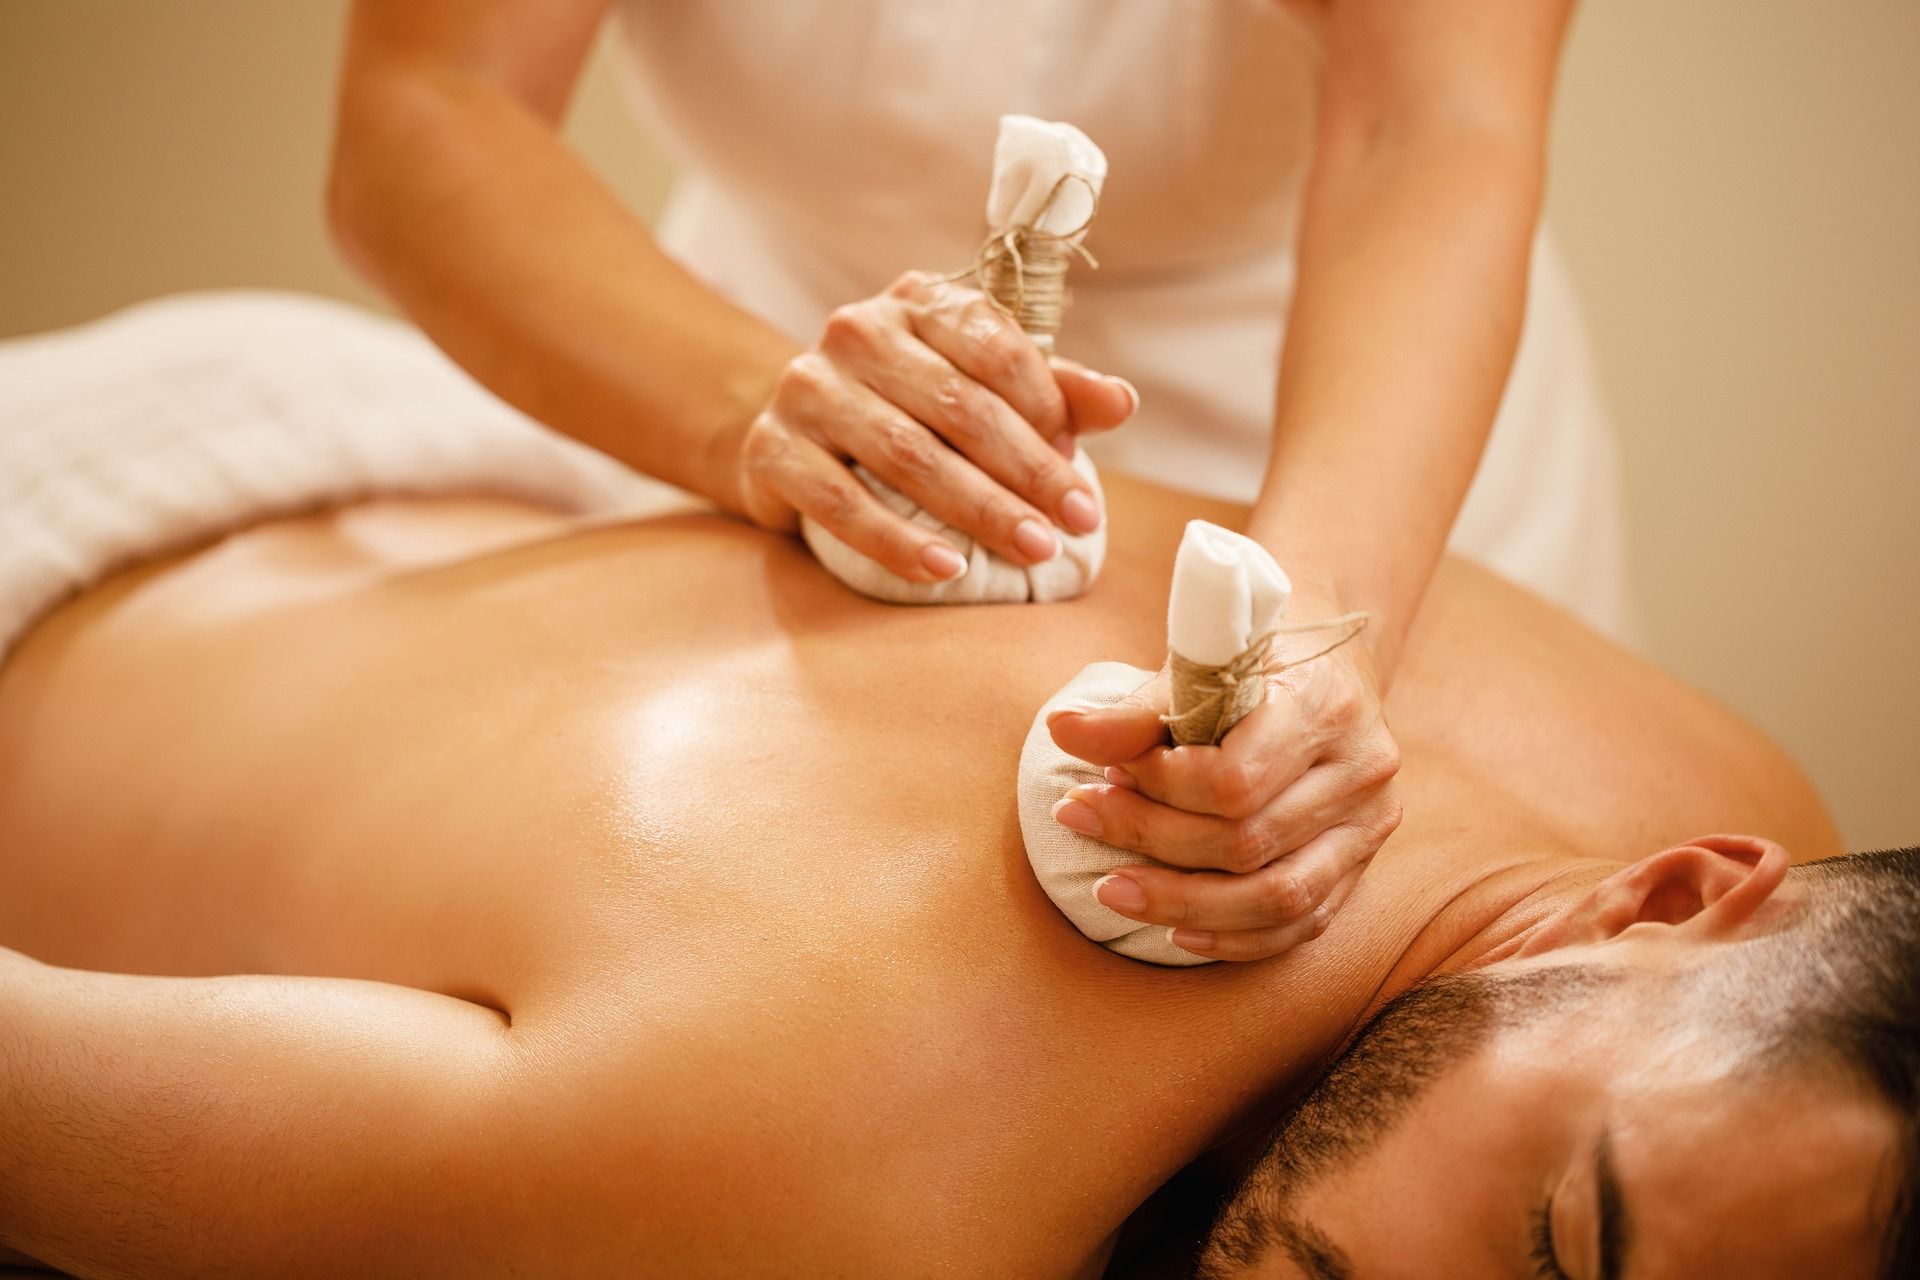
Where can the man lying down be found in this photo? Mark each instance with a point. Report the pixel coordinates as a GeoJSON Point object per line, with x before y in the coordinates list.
{"type": "Point", "coordinates": [447, 886]}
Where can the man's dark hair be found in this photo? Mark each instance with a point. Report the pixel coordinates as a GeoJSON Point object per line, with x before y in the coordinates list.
{"type": "Point", "coordinates": [1852, 993]}
{"type": "Point", "coordinates": [1412, 1039]}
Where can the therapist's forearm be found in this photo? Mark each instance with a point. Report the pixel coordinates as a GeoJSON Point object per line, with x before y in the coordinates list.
{"type": "Point", "coordinates": [1412, 288]}
{"type": "Point", "coordinates": [502, 245]}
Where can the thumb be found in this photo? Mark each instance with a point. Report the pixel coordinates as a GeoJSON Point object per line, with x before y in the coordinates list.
{"type": "Point", "coordinates": [1095, 401]}
{"type": "Point", "coordinates": [1115, 734]}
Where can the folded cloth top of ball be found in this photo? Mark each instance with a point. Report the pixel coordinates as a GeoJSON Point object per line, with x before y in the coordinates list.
{"type": "Point", "coordinates": [1033, 161]}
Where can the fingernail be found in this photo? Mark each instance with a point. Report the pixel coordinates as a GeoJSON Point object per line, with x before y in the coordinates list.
{"type": "Point", "coordinates": [1191, 939]}
{"type": "Point", "coordinates": [1065, 445]}
{"type": "Point", "coordinates": [943, 561]}
{"type": "Point", "coordinates": [1078, 512]}
{"type": "Point", "coordinates": [1121, 778]}
{"type": "Point", "coordinates": [1133, 393]}
{"type": "Point", "coordinates": [1122, 893]}
{"type": "Point", "coordinates": [1075, 815]}
{"type": "Point", "coordinates": [1035, 540]}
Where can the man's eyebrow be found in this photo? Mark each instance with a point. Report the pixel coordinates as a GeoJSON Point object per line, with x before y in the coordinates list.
{"type": "Point", "coordinates": [1318, 1256]}
{"type": "Point", "coordinates": [1616, 1228]}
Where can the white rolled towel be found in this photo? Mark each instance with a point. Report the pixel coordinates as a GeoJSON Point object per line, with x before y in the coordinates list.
{"type": "Point", "coordinates": [1227, 593]}
{"type": "Point", "coordinates": [1030, 159]}
{"type": "Point", "coordinates": [182, 419]}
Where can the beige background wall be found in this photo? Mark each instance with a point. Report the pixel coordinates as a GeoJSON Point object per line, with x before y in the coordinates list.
{"type": "Point", "coordinates": [1737, 184]}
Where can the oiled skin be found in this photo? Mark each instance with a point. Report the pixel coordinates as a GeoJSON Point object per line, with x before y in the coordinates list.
{"type": "Point", "coordinates": [734, 856]}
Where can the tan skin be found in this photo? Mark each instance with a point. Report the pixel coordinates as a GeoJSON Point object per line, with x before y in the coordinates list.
{"type": "Point", "coordinates": [452, 191]}
{"type": "Point", "coordinates": [640, 895]}
{"type": "Point", "coordinates": [1709, 1173]}
{"type": "Point", "coordinates": [1715, 1168]}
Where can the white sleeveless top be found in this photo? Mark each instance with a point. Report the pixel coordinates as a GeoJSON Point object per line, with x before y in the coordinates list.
{"type": "Point", "coordinates": [826, 148]}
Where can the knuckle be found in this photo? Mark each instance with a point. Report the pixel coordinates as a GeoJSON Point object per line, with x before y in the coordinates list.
{"type": "Point", "coordinates": [803, 379]}
{"type": "Point", "coordinates": [763, 478]}
{"type": "Point", "coordinates": [1049, 408]}
{"type": "Point", "coordinates": [992, 517]}
{"type": "Point", "coordinates": [997, 363]}
{"type": "Point", "coordinates": [909, 285]}
{"type": "Point", "coordinates": [1386, 759]}
{"type": "Point", "coordinates": [1322, 917]}
{"type": "Point", "coordinates": [968, 508]}
{"type": "Point", "coordinates": [1037, 475]}
{"type": "Point", "coordinates": [953, 301]}
{"type": "Point", "coordinates": [1288, 897]}
{"type": "Point", "coordinates": [1001, 356]}
{"type": "Point", "coordinates": [1342, 702]}
{"type": "Point", "coordinates": [1324, 695]}
{"type": "Point", "coordinates": [902, 450]}
{"type": "Point", "coordinates": [1247, 848]}
{"type": "Point", "coordinates": [833, 504]}
{"type": "Point", "coordinates": [1236, 788]}
{"type": "Point", "coordinates": [764, 447]}
{"type": "Point", "coordinates": [961, 405]}
{"type": "Point", "coordinates": [849, 328]}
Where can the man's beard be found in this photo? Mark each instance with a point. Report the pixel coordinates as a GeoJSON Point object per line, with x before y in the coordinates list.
{"type": "Point", "coordinates": [1412, 1041]}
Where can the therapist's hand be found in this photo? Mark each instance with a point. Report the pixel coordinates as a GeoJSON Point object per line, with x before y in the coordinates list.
{"type": "Point", "coordinates": [941, 395]}
{"type": "Point", "coordinates": [1266, 834]}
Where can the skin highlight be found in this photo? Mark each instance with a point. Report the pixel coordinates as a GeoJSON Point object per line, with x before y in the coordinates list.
{"type": "Point", "coordinates": [451, 190]}
{"type": "Point", "coordinates": [564, 895]}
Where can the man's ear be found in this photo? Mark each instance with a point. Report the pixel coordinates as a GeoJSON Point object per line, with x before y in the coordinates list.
{"type": "Point", "coordinates": [1710, 886]}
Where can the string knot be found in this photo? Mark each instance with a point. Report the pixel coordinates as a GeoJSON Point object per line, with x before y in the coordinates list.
{"type": "Point", "coordinates": [1023, 269]}
{"type": "Point", "coordinates": [1209, 700]}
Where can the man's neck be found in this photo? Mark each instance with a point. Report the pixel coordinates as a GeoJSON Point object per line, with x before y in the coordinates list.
{"type": "Point", "coordinates": [1491, 913]}
{"type": "Point", "coordinates": [1425, 910]}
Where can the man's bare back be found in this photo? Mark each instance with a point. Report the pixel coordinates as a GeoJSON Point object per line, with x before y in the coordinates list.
{"type": "Point", "coordinates": [713, 873]}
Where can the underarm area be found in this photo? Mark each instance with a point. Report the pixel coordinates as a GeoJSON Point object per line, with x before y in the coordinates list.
{"type": "Point", "coordinates": [250, 1125]}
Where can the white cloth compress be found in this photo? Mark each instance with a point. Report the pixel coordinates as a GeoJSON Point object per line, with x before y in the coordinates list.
{"type": "Point", "coordinates": [1228, 595]}
{"type": "Point", "coordinates": [1046, 177]}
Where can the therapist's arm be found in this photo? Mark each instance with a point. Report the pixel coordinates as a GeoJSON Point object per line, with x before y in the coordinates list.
{"type": "Point", "coordinates": [452, 190]}
{"type": "Point", "coordinates": [1416, 234]}
{"type": "Point", "coordinates": [1415, 239]}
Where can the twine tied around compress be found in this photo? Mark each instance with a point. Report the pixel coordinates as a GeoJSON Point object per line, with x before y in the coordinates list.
{"type": "Point", "coordinates": [1208, 700]}
{"type": "Point", "coordinates": [1023, 269]}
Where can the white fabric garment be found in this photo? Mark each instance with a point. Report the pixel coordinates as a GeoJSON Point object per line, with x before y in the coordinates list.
{"type": "Point", "coordinates": [1030, 159]}
{"type": "Point", "coordinates": [824, 149]}
{"type": "Point", "coordinates": [178, 420]}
